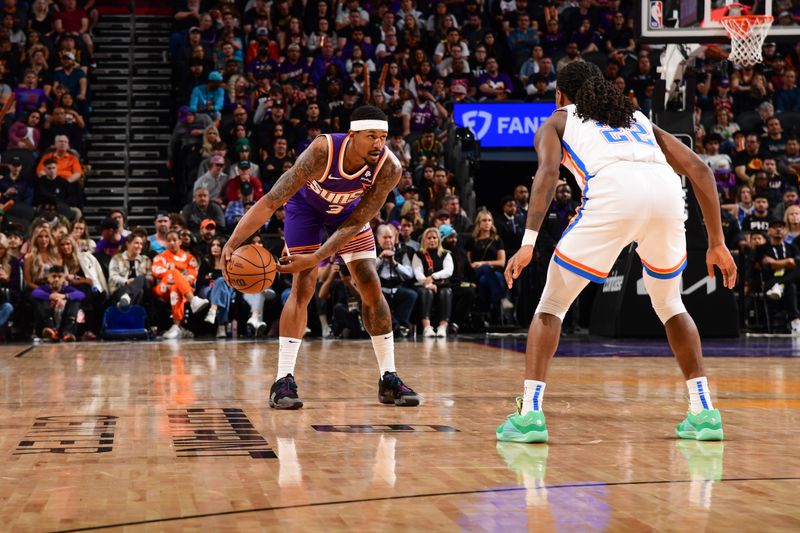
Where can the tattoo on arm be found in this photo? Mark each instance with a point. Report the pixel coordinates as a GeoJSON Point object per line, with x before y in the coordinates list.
{"type": "Point", "coordinates": [370, 203]}
{"type": "Point", "coordinates": [309, 166]}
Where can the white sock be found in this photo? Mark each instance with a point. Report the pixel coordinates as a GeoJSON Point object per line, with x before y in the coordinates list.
{"type": "Point", "coordinates": [287, 355]}
{"type": "Point", "coordinates": [384, 352]}
{"type": "Point", "coordinates": [533, 397]}
{"type": "Point", "coordinates": [699, 395]}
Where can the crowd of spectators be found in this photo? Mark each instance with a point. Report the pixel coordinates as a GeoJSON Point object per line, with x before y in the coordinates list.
{"type": "Point", "coordinates": [46, 55]}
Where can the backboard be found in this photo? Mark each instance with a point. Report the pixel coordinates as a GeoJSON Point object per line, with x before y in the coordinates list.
{"type": "Point", "coordinates": [697, 21]}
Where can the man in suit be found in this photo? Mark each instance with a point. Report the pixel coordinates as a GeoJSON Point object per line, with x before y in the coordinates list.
{"type": "Point", "coordinates": [510, 225]}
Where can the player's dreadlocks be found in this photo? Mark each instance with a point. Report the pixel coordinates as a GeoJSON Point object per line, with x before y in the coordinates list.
{"type": "Point", "coordinates": [594, 97]}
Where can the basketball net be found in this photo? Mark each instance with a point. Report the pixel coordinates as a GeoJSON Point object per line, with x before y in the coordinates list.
{"type": "Point", "coordinates": [747, 33]}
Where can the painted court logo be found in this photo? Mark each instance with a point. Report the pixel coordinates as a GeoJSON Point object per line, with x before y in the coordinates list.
{"type": "Point", "coordinates": [478, 121]}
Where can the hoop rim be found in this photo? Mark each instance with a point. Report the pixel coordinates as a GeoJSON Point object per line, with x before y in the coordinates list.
{"type": "Point", "coordinates": [757, 19]}
{"type": "Point", "coordinates": [740, 26]}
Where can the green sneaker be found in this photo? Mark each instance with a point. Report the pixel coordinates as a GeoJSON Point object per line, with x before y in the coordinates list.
{"type": "Point", "coordinates": [518, 428]}
{"type": "Point", "coordinates": [705, 425]}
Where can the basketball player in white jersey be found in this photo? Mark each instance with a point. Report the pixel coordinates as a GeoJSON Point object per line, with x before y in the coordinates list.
{"type": "Point", "coordinates": [630, 193]}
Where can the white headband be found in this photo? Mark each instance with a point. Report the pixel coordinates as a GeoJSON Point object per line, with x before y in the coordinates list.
{"type": "Point", "coordinates": [361, 125]}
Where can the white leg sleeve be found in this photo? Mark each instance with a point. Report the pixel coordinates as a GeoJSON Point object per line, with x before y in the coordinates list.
{"type": "Point", "coordinates": [560, 291]}
{"type": "Point", "coordinates": [665, 295]}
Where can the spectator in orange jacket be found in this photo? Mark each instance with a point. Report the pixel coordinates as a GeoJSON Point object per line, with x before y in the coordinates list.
{"type": "Point", "coordinates": [176, 273]}
{"type": "Point", "coordinates": [69, 166]}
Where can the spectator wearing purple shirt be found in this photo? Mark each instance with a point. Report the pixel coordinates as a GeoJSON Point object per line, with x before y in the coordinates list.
{"type": "Point", "coordinates": [29, 96]}
{"type": "Point", "coordinates": [358, 39]}
{"type": "Point", "coordinates": [422, 112]}
{"type": "Point", "coordinates": [552, 39]}
{"type": "Point", "coordinates": [261, 64]}
{"type": "Point", "coordinates": [57, 294]}
{"type": "Point", "coordinates": [319, 66]}
{"type": "Point", "coordinates": [293, 67]}
{"type": "Point", "coordinates": [108, 244]}
{"type": "Point", "coordinates": [494, 85]}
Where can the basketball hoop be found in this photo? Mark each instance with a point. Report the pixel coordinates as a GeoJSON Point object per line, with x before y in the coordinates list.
{"type": "Point", "coordinates": [747, 33]}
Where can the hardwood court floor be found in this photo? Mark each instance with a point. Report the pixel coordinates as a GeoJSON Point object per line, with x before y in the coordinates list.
{"type": "Point", "coordinates": [178, 437]}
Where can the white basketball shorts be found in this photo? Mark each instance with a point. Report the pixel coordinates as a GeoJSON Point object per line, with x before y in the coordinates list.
{"type": "Point", "coordinates": [623, 203]}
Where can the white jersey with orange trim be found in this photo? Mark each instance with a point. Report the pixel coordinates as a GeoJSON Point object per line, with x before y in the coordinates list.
{"type": "Point", "coordinates": [630, 194]}
{"type": "Point", "coordinates": [588, 146]}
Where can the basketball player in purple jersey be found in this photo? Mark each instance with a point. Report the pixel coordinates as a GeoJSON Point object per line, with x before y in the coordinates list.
{"type": "Point", "coordinates": [336, 186]}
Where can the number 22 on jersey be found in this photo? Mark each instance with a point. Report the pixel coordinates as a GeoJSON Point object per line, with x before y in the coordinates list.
{"type": "Point", "coordinates": [636, 133]}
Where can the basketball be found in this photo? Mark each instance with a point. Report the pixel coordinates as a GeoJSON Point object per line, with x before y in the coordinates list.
{"type": "Point", "coordinates": [251, 269]}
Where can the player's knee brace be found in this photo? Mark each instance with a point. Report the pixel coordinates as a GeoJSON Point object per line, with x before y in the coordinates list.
{"type": "Point", "coordinates": [553, 307]}
{"type": "Point", "coordinates": [665, 295]}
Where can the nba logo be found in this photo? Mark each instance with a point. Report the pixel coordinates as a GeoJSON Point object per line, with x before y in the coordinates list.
{"type": "Point", "coordinates": [656, 14]}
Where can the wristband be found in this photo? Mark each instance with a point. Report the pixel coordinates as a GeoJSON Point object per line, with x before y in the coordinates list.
{"type": "Point", "coordinates": [529, 238]}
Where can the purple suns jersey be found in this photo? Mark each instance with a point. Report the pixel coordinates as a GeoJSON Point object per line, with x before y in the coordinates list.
{"type": "Point", "coordinates": [335, 191]}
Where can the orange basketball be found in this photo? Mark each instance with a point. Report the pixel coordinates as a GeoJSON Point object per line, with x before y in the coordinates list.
{"type": "Point", "coordinates": [251, 269]}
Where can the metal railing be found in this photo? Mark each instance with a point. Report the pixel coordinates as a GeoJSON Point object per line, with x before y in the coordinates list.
{"type": "Point", "coordinates": [128, 139]}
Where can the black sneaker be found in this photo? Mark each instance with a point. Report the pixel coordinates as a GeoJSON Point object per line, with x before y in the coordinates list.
{"type": "Point", "coordinates": [283, 394]}
{"type": "Point", "coordinates": [391, 389]}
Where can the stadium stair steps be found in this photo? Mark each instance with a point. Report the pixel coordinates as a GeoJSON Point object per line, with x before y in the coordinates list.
{"type": "Point", "coordinates": [129, 123]}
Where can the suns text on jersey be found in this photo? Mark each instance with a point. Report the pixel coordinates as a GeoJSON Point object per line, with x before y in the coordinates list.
{"type": "Point", "coordinates": [337, 200]}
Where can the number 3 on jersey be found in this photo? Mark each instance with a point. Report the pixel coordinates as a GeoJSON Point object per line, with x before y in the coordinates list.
{"type": "Point", "coordinates": [636, 133]}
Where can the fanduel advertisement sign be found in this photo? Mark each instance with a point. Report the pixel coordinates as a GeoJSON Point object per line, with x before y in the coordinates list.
{"type": "Point", "coordinates": [503, 125]}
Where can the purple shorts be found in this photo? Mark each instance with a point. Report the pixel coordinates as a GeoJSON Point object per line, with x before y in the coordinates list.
{"type": "Point", "coordinates": [305, 228]}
